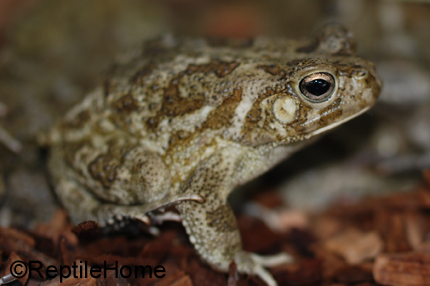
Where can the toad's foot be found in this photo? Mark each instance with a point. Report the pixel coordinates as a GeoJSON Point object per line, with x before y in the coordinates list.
{"type": "Point", "coordinates": [253, 264]}
{"type": "Point", "coordinates": [212, 229]}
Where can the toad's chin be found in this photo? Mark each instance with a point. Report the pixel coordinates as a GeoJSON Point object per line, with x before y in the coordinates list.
{"type": "Point", "coordinates": [331, 126]}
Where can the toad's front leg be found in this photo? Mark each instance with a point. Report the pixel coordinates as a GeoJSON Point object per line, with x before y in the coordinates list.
{"type": "Point", "coordinates": [215, 236]}
{"type": "Point", "coordinates": [211, 225]}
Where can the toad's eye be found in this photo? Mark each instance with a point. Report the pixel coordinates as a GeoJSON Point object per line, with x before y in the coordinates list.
{"type": "Point", "coordinates": [317, 87]}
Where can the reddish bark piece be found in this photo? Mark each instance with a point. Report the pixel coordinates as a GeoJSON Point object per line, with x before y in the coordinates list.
{"type": "Point", "coordinates": [110, 259]}
{"type": "Point", "coordinates": [424, 247]}
{"type": "Point", "coordinates": [303, 241]}
{"type": "Point", "coordinates": [415, 228]}
{"type": "Point", "coordinates": [60, 220]}
{"type": "Point", "coordinates": [14, 241]}
{"type": "Point", "coordinates": [402, 222]}
{"type": "Point", "coordinates": [366, 284]}
{"type": "Point", "coordinates": [331, 263]}
{"type": "Point", "coordinates": [65, 257]}
{"type": "Point", "coordinates": [249, 227]}
{"type": "Point", "coordinates": [269, 199]}
{"type": "Point", "coordinates": [156, 276]}
{"type": "Point", "coordinates": [33, 282]}
{"type": "Point", "coordinates": [58, 228]}
{"type": "Point", "coordinates": [112, 280]}
{"type": "Point", "coordinates": [426, 174]}
{"type": "Point", "coordinates": [79, 278]}
{"type": "Point", "coordinates": [419, 199]}
{"type": "Point", "coordinates": [119, 245]}
{"type": "Point", "coordinates": [233, 275]}
{"type": "Point", "coordinates": [391, 226]}
{"type": "Point", "coordinates": [153, 252]}
{"type": "Point", "coordinates": [202, 275]}
{"type": "Point", "coordinates": [354, 274]}
{"type": "Point", "coordinates": [325, 226]}
{"type": "Point", "coordinates": [46, 245]}
{"type": "Point", "coordinates": [183, 281]}
{"type": "Point", "coordinates": [180, 255]}
{"type": "Point", "coordinates": [363, 212]}
{"type": "Point", "coordinates": [15, 260]}
{"type": "Point", "coordinates": [71, 281]}
{"type": "Point", "coordinates": [16, 235]}
{"type": "Point", "coordinates": [411, 269]}
{"type": "Point", "coordinates": [170, 277]}
{"type": "Point", "coordinates": [307, 272]}
{"type": "Point", "coordinates": [89, 226]}
{"type": "Point", "coordinates": [355, 246]}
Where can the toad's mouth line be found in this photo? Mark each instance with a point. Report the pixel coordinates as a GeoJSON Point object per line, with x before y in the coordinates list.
{"type": "Point", "coordinates": [331, 126]}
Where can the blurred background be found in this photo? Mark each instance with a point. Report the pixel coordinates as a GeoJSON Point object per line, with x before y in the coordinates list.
{"type": "Point", "coordinates": [53, 52]}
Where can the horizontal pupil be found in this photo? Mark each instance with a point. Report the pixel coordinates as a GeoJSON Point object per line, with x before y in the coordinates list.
{"type": "Point", "coordinates": [318, 87]}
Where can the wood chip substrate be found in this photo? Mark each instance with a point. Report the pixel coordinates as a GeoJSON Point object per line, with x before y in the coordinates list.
{"type": "Point", "coordinates": [379, 241]}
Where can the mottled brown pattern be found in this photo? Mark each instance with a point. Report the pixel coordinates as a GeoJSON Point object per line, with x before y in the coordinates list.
{"type": "Point", "coordinates": [186, 120]}
{"type": "Point", "coordinates": [221, 69]}
{"type": "Point", "coordinates": [152, 122]}
{"type": "Point", "coordinates": [127, 103]}
{"type": "Point", "coordinates": [302, 118]}
{"type": "Point", "coordinates": [103, 169]}
{"type": "Point", "coordinates": [139, 76]}
{"type": "Point", "coordinates": [223, 115]}
{"type": "Point", "coordinates": [254, 115]}
{"type": "Point", "coordinates": [179, 136]}
{"type": "Point", "coordinates": [72, 149]}
{"type": "Point", "coordinates": [344, 69]}
{"type": "Point", "coordinates": [331, 112]}
{"type": "Point", "coordinates": [175, 105]}
{"type": "Point", "coordinates": [328, 115]}
{"type": "Point", "coordinates": [272, 69]}
{"type": "Point", "coordinates": [221, 219]}
{"type": "Point", "coordinates": [294, 63]}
